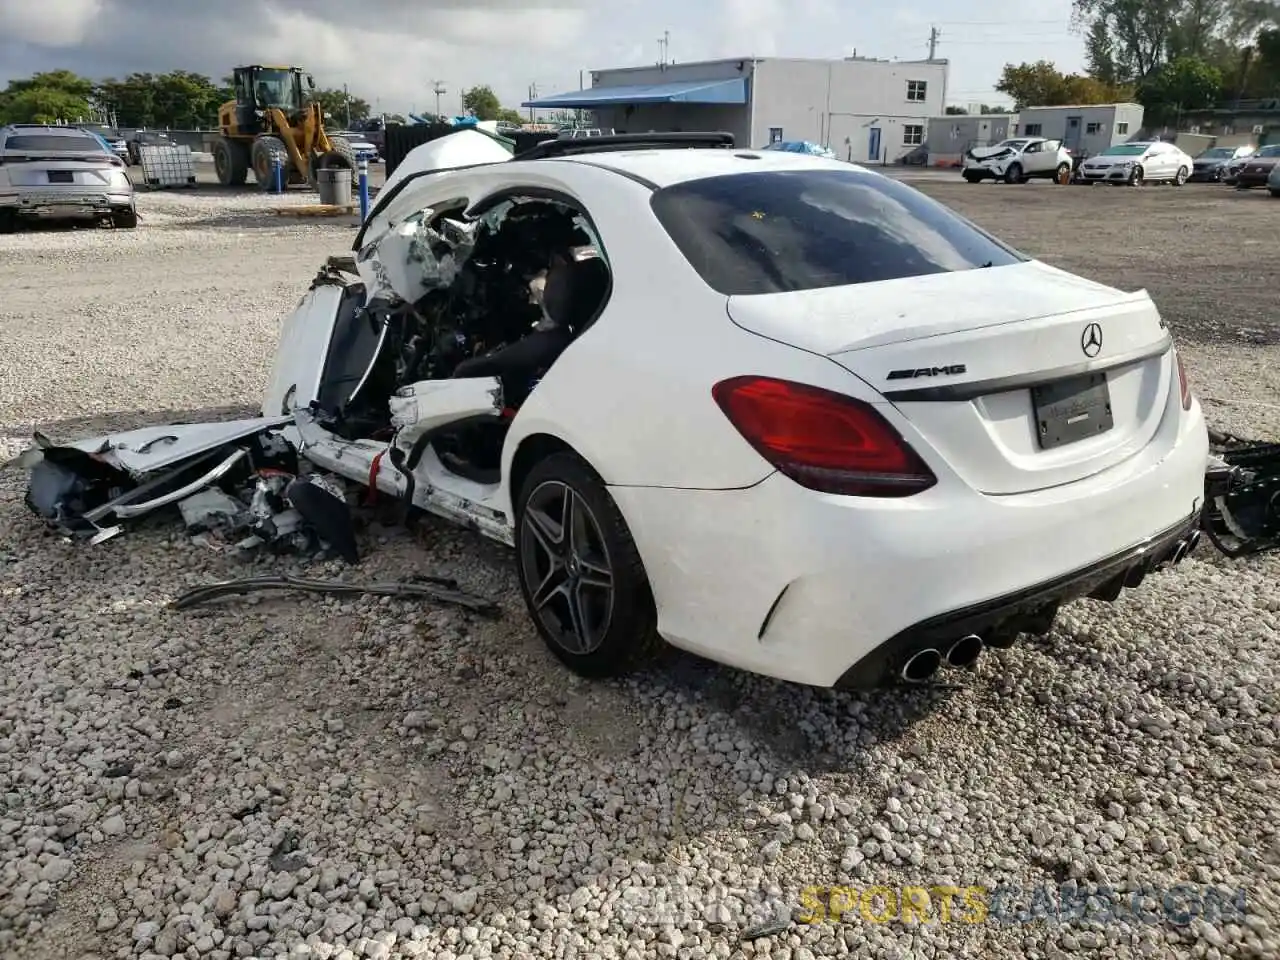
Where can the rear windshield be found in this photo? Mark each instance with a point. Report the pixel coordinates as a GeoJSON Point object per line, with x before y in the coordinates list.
{"type": "Point", "coordinates": [1217, 152]}
{"type": "Point", "coordinates": [1270, 150]}
{"type": "Point", "coordinates": [44, 142]}
{"type": "Point", "coordinates": [782, 231]}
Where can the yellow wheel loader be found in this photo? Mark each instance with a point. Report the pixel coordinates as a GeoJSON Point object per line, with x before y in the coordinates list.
{"type": "Point", "coordinates": [271, 122]}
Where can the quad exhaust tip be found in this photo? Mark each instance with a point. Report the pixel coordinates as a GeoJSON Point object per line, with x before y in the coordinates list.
{"type": "Point", "coordinates": [965, 651]}
{"type": "Point", "coordinates": [921, 665]}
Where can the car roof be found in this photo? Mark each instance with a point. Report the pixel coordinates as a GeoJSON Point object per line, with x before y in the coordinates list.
{"type": "Point", "coordinates": [663, 168]}
{"type": "Point", "coordinates": [57, 131]}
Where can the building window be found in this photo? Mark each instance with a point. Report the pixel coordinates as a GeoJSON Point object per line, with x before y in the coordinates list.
{"type": "Point", "coordinates": [1032, 130]}
{"type": "Point", "coordinates": [1122, 128]}
{"type": "Point", "coordinates": [916, 90]}
{"type": "Point", "coordinates": [912, 134]}
{"type": "Point", "coordinates": [775, 134]}
{"type": "Point", "coordinates": [1092, 128]}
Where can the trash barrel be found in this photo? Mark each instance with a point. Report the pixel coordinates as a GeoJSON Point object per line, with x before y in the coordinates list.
{"type": "Point", "coordinates": [335, 186]}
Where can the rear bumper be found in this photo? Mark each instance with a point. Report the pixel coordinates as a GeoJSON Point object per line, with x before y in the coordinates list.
{"type": "Point", "coordinates": [50, 205]}
{"type": "Point", "coordinates": [1030, 610]}
{"type": "Point", "coordinates": [824, 590]}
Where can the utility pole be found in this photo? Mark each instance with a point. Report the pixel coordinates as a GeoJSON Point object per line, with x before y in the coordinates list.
{"type": "Point", "coordinates": [665, 45]}
{"type": "Point", "coordinates": [437, 87]}
{"type": "Point", "coordinates": [533, 95]}
{"type": "Point", "coordinates": [934, 36]}
{"type": "Point", "coordinates": [346, 96]}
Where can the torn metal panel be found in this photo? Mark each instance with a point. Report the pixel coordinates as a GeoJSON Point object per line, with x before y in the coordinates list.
{"type": "Point", "coordinates": [143, 451]}
{"type": "Point", "coordinates": [304, 344]}
{"type": "Point", "coordinates": [416, 256]}
{"type": "Point", "coordinates": [129, 510]}
{"type": "Point", "coordinates": [430, 404]}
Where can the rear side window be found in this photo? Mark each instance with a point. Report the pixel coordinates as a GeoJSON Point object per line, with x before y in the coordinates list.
{"type": "Point", "coordinates": [43, 142]}
{"type": "Point", "coordinates": [782, 231]}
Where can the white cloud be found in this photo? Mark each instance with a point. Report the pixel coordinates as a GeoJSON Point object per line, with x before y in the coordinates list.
{"type": "Point", "coordinates": [54, 23]}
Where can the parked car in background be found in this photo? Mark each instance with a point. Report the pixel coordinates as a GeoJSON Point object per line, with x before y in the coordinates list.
{"type": "Point", "coordinates": [1256, 169]}
{"type": "Point", "coordinates": [1018, 160]}
{"type": "Point", "coordinates": [146, 138]}
{"type": "Point", "coordinates": [363, 148]}
{"type": "Point", "coordinates": [115, 142]}
{"type": "Point", "coordinates": [61, 173]}
{"type": "Point", "coordinates": [1138, 163]}
{"type": "Point", "coordinates": [1211, 166]}
{"type": "Point", "coordinates": [1273, 181]}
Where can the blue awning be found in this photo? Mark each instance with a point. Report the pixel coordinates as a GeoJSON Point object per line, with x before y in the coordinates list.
{"type": "Point", "coordinates": [685, 91]}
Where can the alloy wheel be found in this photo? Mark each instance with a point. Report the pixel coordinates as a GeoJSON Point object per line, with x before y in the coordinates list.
{"type": "Point", "coordinates": [566, 567]}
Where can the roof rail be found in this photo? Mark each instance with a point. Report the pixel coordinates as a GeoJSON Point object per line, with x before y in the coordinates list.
{"type": "Point", "coordinates": [572, 146]}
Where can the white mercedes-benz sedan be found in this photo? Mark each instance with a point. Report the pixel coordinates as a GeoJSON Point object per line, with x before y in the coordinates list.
{"type": "Point", "coordinates": [778, 410]}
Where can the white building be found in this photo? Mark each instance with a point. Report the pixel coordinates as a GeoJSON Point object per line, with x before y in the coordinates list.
{"type": "Point", "coordinates": [1089, 129]}
{"type": "Point", "coordinates": [865, 110]}
{"type": "Point", "coordinates": [949, 137]}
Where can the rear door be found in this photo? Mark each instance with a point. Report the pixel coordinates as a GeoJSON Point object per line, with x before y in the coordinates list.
{"type": "Point", "coordinates": [1020, 376]}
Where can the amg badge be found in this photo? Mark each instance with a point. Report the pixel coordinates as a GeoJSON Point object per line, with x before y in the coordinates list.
{"type": "Point", "coordinates": [949, 371]}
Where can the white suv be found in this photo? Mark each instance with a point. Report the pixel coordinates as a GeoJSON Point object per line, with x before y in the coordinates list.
{"type": "Point", "coordinates": [1018, 160]}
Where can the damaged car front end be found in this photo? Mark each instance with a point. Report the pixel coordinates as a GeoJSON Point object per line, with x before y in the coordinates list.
{"type": "Point", "coordinates": [400, 370]}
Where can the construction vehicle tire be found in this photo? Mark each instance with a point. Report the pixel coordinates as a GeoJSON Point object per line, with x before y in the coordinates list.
{"type": "Point", "coordinates": [231, 162]}
{"type": "Point", "coordinates": [341, 156]}
{"type": "Point", "coordinates": [269, 152]}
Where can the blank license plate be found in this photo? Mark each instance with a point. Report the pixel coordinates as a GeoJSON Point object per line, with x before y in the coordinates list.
{"type": "Point", "coordinates": [1071, 410]}
{"type": "Point", "coordinates": [62, 176]}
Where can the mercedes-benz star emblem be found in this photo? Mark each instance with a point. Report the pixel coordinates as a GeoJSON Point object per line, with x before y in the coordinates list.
{"type": "Point", "coordinates": [1091, 340]}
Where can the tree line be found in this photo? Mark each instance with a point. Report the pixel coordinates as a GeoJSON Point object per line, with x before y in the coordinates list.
{"type": "Point", "coordinates": [179, 100]}
{"type": "Point", "coordinates": [1169, 55]}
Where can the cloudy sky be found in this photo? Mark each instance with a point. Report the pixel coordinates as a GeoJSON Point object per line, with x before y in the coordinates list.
{"type": "Point", "coordinates": [389, 51]}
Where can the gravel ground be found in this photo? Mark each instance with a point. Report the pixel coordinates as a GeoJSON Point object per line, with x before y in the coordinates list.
{"type": "Point", "coordinates": [319, 778]}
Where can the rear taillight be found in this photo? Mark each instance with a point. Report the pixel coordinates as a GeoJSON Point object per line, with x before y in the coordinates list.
{"type": "Point", "coordinates": [1183, 382]}
{"type": "Point", "coordinates": [822, 440]}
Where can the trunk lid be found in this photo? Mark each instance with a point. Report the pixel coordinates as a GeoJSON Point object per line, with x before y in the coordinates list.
{"type": "Point", "coordinates": [1020, 377]}
{"type": "Point", "coordinates": [53, 171]}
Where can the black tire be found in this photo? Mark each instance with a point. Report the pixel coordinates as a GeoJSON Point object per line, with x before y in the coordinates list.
{"type": "Point", "coordinates": [341, 156]}
{"type": "Point", "coordinates": [1063, 174]}
{"type": "Point", "coordinates": [125, 220]}
{"type": "Point", "coordinates": [231, 162]}
{"type": "Point", "coordinates": [1180, 177]}
{"type": "Point", "coordinates": [1274, 192]}
{"type": "Point", "coordinates": [8, 221]}
{"type": "Point", "coordinates": [1136, 179]}
{"type": "Point", "coordinates": [267, 152]}
{"type": "Point", "coordinates": [1013, 174]}
{"type": "Point", "coordinates": [624, 635]}
{"type": "Point", "coordinates": [972, 177]}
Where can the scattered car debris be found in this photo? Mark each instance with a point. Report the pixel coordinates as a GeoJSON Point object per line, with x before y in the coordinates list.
{"type": "Point", "coordinates": [429, 588]}
{"type": "Point", "coordinates": [1242, 490]}
{"type": "Point", "coordinates": [237, 484]}
{"type": "Point", "coordinates": [770, 928]}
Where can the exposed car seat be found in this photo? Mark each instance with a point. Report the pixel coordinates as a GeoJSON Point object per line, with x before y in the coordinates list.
{"type": "Point", "coordinates": [572, 297]}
